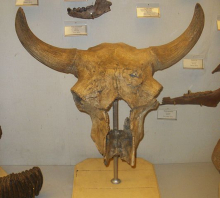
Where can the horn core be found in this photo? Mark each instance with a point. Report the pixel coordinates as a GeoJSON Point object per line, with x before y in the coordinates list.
{"type": "Point", "coordinates": [59, 59]}
{"type": "Point", "coordinates": [169, 54]}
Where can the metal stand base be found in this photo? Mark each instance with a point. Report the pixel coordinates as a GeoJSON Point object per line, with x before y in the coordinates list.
{"type": "Point", "coordinates": [116, 181]}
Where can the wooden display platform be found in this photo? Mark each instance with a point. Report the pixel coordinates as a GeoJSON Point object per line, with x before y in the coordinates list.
{"type": "Point", "coordinates": [93, 179]}
{"type": "Point", "coordinates": [2, 172]}
{"type": "Point", "coordinates": [219, 191]}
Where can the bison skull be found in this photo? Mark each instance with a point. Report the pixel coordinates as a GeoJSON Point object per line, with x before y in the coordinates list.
{"type": "Point", "coordinates": [108, 72]}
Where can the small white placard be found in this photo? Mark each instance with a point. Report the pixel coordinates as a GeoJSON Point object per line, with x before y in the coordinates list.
{"type": "Point", "coordinates": [167, 114]}
{"type": "Point", "coordinates": [218, 25]}
{"type": "Point", "coordinates": [148, 12]}
{"type": "Point", "coordinates": [193, 63]}
{"type": "Point", "coordinates": [78, 30]}
{"type": "Point", "coordinates": [26, 2]}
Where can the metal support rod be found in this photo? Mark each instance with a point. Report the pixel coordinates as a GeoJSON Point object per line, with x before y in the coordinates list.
{"type": "Point", "coordinates": [115, 114]}
{"type": "Point", "coordinates": [115, 180]}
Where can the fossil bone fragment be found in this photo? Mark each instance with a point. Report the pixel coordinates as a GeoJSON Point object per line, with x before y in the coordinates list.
{"type": "Point", "coordinates": [217, 69]}
{"type": "Point", "coordinates": [108, 72]}
{"type": "Point", "coordinates": [206, 98]}
{"type": "Point", "coordinates": [26, 184]}
{"type": "Point", "coordinates": [0, 132]}
{"type": "Point", "coordinates": [216, 156]}
{"type": "Point", "coordinates": [91, 12]}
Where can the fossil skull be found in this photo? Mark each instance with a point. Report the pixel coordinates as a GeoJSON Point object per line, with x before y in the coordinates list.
{"type": "Point", "coordinates": [108, 72]}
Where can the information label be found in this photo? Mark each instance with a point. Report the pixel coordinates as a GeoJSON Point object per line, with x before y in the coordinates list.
{"type": "Point", "coordinates": [148, 12]}
{"type": "Point", "coordinates": [167, 114]}
{"type": "Point", "coordinates": [193, 63]}
{"type": "Point", "coordinates": [26, 2]}
{"type": "Point", "coordinates": [76, 30]}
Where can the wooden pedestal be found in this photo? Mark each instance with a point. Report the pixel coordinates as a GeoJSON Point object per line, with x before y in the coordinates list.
{"type": "Point", "coordinates": [93, 179]}
{"type": "Point", "coordinates": [219, 191]}
{"type": "Point", "coordinates": [2, 172]}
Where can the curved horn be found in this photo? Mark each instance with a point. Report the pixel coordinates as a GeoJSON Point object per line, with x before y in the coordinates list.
{"type": "Point", "coordinates": [169, 54]}
{"type": "Point", "coordinates": [59, 59]}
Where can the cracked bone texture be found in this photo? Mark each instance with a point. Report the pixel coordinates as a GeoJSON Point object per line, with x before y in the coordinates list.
{"type": "Point", "coordinates": [110, 74]}
{"type": "Point", "coordinates": [91, 12]}
{"type": "Point", "coordinates": [22, 185]}
{"type": "Point", "coordinates": [111, 71]}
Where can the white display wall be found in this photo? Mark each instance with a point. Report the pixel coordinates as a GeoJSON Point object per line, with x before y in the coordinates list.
{"type": "Point", "coordinates": [40, 122]}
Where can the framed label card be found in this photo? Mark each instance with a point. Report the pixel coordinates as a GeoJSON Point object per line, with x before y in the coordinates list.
{"type": "Point", "coordinates": [148, 10]}
{"type": "Point", "coordinates": [193, 62]}
{"type": "Point", "coordinates": [76, 30]}
{"type": "Point", "coordinates": [167, 114]}
{"type": "Point", "coordinates": [26, 3]}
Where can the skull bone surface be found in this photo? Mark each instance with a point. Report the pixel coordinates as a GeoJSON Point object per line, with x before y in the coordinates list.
{"type": "Point", "coordinates": [108, 72]}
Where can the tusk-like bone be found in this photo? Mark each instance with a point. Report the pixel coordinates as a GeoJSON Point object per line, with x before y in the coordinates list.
{"type": "Point", "coordinates": [59, 59]}
{"type": "Point", "coordinates": [169, 54]}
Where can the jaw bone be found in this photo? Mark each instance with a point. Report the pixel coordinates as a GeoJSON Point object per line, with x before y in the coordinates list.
{"type": "Point", "coordinates": [92, 11]}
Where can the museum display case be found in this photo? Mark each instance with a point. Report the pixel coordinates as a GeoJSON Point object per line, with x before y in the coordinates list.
{"type": "Point", "coordinates": [122, 66]}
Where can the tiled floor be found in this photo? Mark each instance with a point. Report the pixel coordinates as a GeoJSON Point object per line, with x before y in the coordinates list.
{"type": "Point", "coordinates": [196, 180]}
